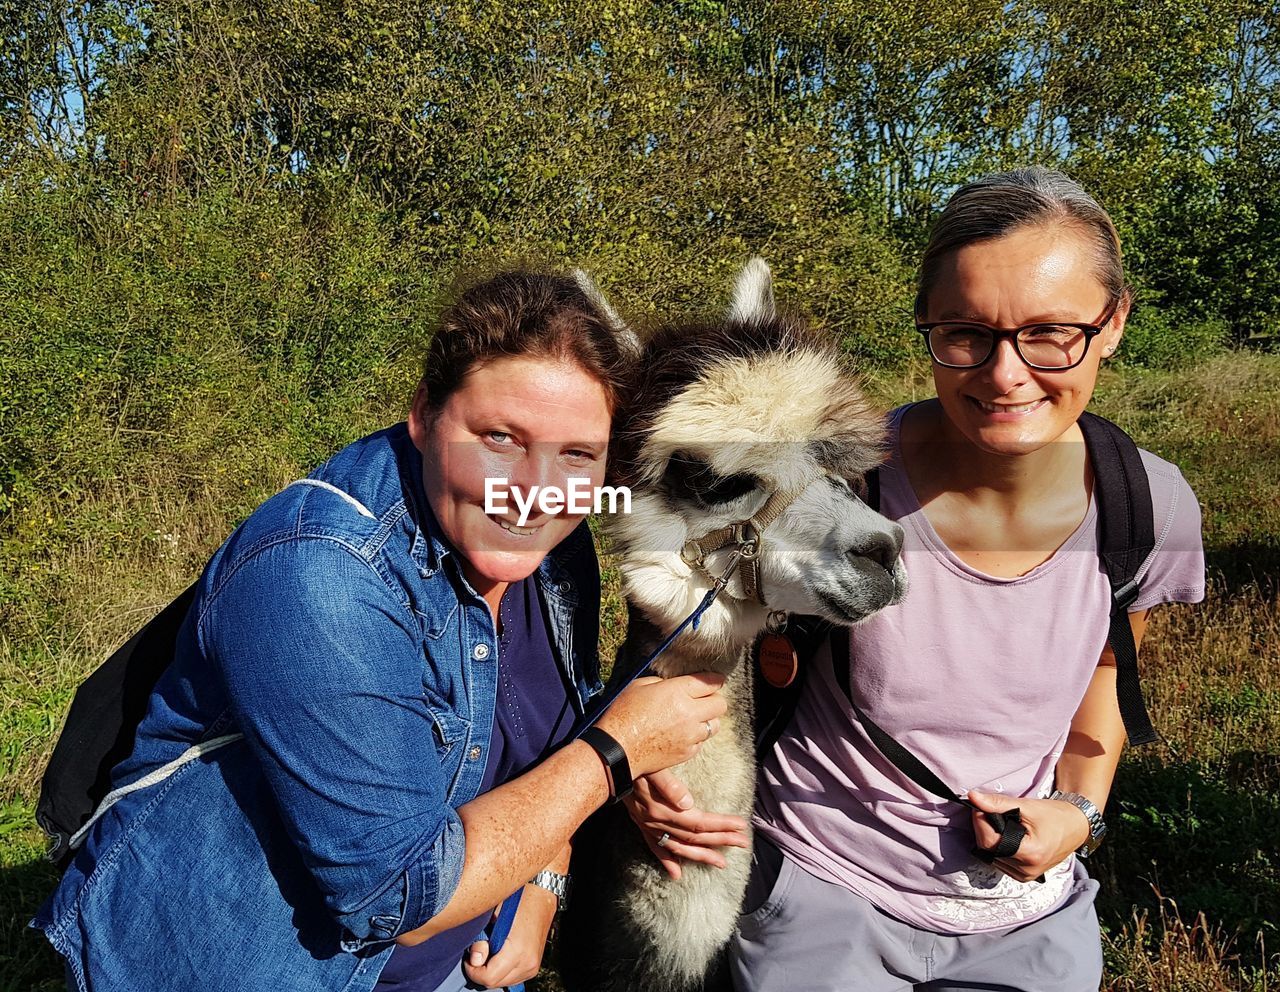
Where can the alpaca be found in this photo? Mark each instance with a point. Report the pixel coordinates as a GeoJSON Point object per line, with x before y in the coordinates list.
{"type": "Point", "coordinates": [753, 417]}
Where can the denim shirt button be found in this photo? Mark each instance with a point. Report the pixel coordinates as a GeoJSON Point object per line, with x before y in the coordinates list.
{"type": "Point", "coordinates": [480, 652]}
{"type": "Point", "coordinates": [565, 586]}
{"type": "Point", "coordinates": [474, 753]}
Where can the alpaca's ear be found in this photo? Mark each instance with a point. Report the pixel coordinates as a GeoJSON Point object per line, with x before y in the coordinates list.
{"type": "Point", "coordinates": [625, 335]}
{"type": "Point", "coordinates": [753, 293]}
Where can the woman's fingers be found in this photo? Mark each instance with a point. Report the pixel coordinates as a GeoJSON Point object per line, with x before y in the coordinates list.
{"type": "Point", "coordinates": [650, 808]}
{"type": "Point", "coordinates": [699, 838]}
{"type": "Point", "coordinates": [521, 956]}
{"type": "Point", "coordinates": [478, 955]}
{"type": "Point", "coordinates": [664, 786]}
{"type": "Point", "coordinates": [702, 689]}
{"type": "Point", "coordinates": [669, 860]}
{"type": "Point", "coordinates": [497, 974]}
{"type": "Point", "coordinates": [673, 850]}
{"type": "Point", "coordinates": [1007, 867]}
{"type": "Point", "coordinates": [697, 685]}
{"type": "Point", "coordinates": [695, 825]}
{"type": "Point", "coordinates": [700, 684]}
{"type": "Point", "coordinates": [693, 852]}
{"type": "Point", "coordinates": [1019, 873]}
{"type": "Point", "coordinates": [984, 833]}
{"type": "Point", "coordinates": [1053, 830]}
{"type": "Point", "coordinates": [499, 970]}
{"type": "Point", "coordinates": [686, 834]}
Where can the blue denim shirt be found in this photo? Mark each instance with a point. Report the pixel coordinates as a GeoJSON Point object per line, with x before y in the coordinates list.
{"type": "Point", "coordinates": [334, 630]}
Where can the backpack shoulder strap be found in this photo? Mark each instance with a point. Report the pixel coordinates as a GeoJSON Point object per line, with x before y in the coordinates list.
{"type": "Point", "coordinates": [102, 722]}
{"type": "Point", "coordinates": [773, 705]}
{"type": "Point", "coordinates": [1126, 537]}
{"type": "Point", "coordinates": [1008, 824]}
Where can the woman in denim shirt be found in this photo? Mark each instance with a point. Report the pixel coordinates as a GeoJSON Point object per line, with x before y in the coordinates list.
{"type": "Point", "coordinates": [354, 755]}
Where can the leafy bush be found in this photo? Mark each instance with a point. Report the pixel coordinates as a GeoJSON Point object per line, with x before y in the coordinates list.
{"type": "Point", "coordinates": [204, 342]}
{"type": "Point", "coordinates": [1170, 339]}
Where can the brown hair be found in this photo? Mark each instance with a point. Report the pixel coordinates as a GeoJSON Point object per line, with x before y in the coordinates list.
{"type": "Point", "coordinates": [532, 314]}
{"type": "Point", "coordinates": [998, 204]}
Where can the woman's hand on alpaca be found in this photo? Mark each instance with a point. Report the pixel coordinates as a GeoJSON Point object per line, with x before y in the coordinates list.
{"type": "Point", "coordinates": [1054, 830]}
{"type": "Point", "coordinates": [661, 804]}
{"type": "Point", "coordinates": [521, 956]}
{"type": "Point", "coordinates": [663, 722]}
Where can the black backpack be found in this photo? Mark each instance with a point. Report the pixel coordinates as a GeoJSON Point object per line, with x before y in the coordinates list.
{"type": "Point", "coordinates": [1126, 538]}
{"type": "Point", "coordinates": [100, 727]}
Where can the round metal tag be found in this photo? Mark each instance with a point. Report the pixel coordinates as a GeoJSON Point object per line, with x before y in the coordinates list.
{"type": "Point", "coordinates": [779, 663]}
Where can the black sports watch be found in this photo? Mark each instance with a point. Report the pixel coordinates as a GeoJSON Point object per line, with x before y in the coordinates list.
{"type": "Point", "coordinates": [615, 761]}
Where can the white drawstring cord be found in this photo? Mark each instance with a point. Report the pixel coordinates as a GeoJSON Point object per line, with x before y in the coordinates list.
{"type": "Point", "coordinates": [151, 778]}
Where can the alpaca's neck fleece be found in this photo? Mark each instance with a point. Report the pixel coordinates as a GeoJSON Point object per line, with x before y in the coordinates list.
{"type": "Point", "coordinates": [692, 651]}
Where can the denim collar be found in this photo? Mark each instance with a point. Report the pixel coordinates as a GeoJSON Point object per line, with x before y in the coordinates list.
{"type": "Point", "coordinates": [428, 548]}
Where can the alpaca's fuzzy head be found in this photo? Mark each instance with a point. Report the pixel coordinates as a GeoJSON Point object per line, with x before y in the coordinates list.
{"type": "Point", "coordinates": [725, 415]}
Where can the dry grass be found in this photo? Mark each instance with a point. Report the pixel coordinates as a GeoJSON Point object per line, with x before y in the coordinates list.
{"type": "Point", "coordinates": [1164, 953]}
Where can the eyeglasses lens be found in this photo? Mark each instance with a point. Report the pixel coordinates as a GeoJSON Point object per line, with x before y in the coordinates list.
{"type": "Point", "coordinates": [1045, 346]}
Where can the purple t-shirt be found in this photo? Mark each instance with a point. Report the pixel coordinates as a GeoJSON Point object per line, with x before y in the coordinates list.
{"type": "Point", "coordinates": [533, 714]}
{"type": "Point", "coordinates": [980, 677]}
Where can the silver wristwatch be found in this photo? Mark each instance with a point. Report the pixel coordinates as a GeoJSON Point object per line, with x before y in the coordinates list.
{"type": "Point", "coordinates": [1097, 826]}
{"type": "Point", "coordinates": [555, 883]}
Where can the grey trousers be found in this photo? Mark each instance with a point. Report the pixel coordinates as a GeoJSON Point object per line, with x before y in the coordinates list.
{"type": "Point", "coordinates": [457, 982]}
{"type": "Point", "coordinates": [807, 935]}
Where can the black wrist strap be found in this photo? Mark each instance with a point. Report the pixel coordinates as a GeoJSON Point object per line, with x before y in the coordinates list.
{"type": "Point", "coordinates": [615, 760]}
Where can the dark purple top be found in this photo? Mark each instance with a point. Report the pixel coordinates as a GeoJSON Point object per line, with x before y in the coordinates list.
{"type": "Point", "coordinates": [532, 716]}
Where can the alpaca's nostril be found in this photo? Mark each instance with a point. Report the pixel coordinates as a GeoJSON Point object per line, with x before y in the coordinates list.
{"type": "Point", "coordinates": [882, 547]}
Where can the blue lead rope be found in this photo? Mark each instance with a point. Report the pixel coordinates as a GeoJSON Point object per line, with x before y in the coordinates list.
{"type": "Point", "coordinates": [607, 700]}
{"type": "Point", "coordinates": [499, 927]}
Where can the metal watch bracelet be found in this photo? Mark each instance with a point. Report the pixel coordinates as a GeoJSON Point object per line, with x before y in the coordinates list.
{"type": "Point", "coordinates": [555, 883]}
{"type": "Point", "coordinates": [1097, 826]}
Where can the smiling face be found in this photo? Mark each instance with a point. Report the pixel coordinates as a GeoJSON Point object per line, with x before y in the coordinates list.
{"type": "Point", "coordinates": [1040, 273]}
{"type": "Point", "coordinates": [531, 421]}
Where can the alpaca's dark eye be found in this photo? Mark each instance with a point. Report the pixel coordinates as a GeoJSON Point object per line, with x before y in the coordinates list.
{"type": "Point", "coordinates": [856, 484]}
{"type": "Point", "coordinates": [688, 477]}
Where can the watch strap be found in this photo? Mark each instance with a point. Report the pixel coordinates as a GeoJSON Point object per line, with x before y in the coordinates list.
{"type": "Point", "coordinates": [555, 883]}
{"type": "Point", "coordinates": [1097, 826]}
{"type": "Point", "coordinates": [615, 761]}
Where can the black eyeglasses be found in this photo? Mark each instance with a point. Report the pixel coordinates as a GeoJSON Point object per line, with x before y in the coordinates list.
{"type": "Point", "coordinates": [1050, 347]}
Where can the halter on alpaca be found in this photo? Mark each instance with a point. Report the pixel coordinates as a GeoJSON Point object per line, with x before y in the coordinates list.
{"type": "Point", "coordinates": [744, 536]}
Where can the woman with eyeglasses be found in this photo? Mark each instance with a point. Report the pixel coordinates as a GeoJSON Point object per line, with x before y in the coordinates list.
{"type": "Point", "coordinates": [995, 670]}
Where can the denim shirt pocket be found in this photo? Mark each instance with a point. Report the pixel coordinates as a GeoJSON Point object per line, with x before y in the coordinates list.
{"type": "Point", "coordinates": [448, 728]}
{"type": "Point", "coordinates": [450, 733]}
